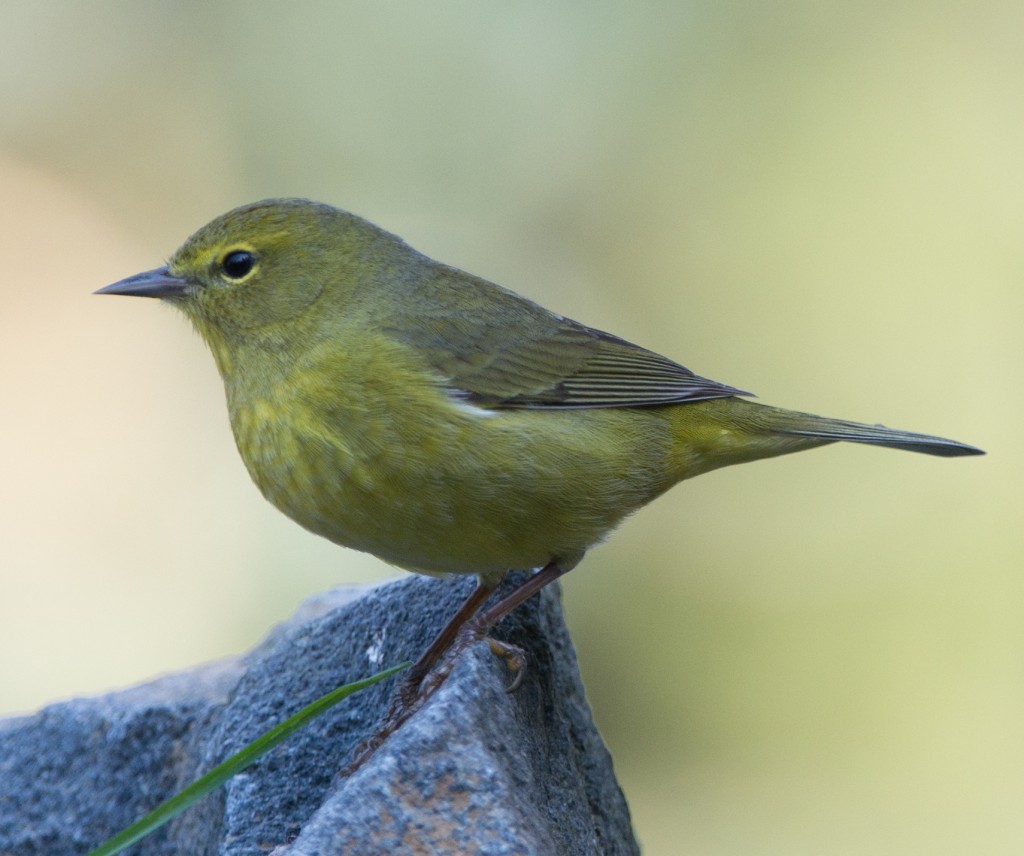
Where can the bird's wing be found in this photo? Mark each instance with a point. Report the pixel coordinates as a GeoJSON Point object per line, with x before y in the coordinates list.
{"type": "Point", "coordinates": [581, 367]}
{"type": "Point", "coordinates": [519, 355]}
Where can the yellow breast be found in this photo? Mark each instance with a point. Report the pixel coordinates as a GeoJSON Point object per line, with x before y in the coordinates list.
{"type": "Point", "coordinates": [382, 458]}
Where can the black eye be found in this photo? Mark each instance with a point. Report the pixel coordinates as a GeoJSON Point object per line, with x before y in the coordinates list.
{"type": "Point", "coordinates": [237, 264]}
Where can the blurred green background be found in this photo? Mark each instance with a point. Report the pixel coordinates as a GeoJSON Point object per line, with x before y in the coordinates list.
{"type": "Point", "coordinates": [819, 202]}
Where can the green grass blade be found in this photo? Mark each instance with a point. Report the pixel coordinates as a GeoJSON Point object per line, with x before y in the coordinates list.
{"type": "Point", "coordinates": [235, 764]}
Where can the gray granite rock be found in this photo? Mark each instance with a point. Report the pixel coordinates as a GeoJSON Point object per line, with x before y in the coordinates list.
{"type": "Point", "coordinates": [475, 771]}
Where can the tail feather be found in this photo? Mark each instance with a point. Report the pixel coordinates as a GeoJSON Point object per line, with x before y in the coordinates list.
{"type": "Point", "coordinates": [726, 431]}
{"type": "Point", "coordinates": [876, 435]}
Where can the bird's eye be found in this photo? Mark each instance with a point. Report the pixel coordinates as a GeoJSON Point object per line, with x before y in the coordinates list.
{"type": "Point", "coordinates": [237, 264]}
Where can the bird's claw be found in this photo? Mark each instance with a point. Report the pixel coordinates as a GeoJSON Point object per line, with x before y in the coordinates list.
{"type": "Point", "coordinates": [515, 661]}
{"type": "Point", "coordinates": [411, 694]}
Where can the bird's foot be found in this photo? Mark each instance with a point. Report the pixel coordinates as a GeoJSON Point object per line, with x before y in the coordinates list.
{"type": "Point", "coordinates": [469, 635]}
{"type": "Point", "coordinates": [515, 661]}
{"type": "Point", "coordinates": [408, 697]}
{"type": "Point", "coordinates": [413, 692]}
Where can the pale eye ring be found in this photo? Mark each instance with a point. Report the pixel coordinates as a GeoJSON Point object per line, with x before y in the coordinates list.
{"type": "Point", "coordinates": [238, 264]}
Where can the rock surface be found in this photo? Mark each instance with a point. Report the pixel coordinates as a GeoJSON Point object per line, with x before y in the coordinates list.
{"type": "Point", "coordinates": [475, 771]}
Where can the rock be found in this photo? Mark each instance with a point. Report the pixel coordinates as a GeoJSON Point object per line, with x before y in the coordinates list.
{"type": "Point", "coordinates": [475, 771]}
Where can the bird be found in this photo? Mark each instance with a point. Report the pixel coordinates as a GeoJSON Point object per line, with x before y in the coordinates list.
{"type": "Point", "coordinates": [399, 406]}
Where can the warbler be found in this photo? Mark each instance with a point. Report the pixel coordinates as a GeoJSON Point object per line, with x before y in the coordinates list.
{"type": "Point", "coordinates": [396, 405]}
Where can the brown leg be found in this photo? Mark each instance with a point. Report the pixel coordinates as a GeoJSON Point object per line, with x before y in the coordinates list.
{"type": "Point", "coordinates": [466, 627]}
{"type": "Point", "coordinates": [480, 625]}
{"type": "Point", "coordinates": [408, 696]}
{"type": "Point", "coordinates": [487, 619]}
{"type": "Point", "coordinates": [442, 642]}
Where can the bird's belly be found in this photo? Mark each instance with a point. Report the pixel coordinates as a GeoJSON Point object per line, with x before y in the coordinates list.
{"type": "Point", "coordinates": [449, 496]}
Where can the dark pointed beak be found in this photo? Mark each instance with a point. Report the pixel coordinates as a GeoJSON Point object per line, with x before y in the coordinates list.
{"type": "Point", "coordinates": [152, 283]}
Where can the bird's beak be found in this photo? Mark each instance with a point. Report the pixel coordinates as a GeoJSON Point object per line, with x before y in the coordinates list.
{"type": "Point", "coordinates": [152, 283]}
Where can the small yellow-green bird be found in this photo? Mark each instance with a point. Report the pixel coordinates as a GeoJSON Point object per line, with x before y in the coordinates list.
{"type": "Point", "coordinates": [400, 406]}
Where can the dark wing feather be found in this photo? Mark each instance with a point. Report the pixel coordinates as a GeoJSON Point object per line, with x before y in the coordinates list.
{"type": "Point", "coordinates": [497, 349]}
{"type": "Point", "coordinates": [604, 371]}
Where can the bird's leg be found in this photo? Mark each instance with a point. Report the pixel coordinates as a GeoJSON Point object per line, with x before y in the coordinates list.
{"type": "Point", "coordinates": [467, 627]}
{"type": "Point", "coordinates": [408, 689]}
{"type": "Point", "coordinates": [407, 697]}
{"type": "Point", "coordinates": [479, 625]}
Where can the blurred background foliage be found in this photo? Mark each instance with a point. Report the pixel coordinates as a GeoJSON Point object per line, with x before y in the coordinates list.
{"type": "Point", "coordinates": [819, 202]}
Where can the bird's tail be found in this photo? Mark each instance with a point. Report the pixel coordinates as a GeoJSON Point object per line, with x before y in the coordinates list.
{"type": "Point", "coordinates": [725, 431]}
{"type": "Point", "coordinates": [791, 423]}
